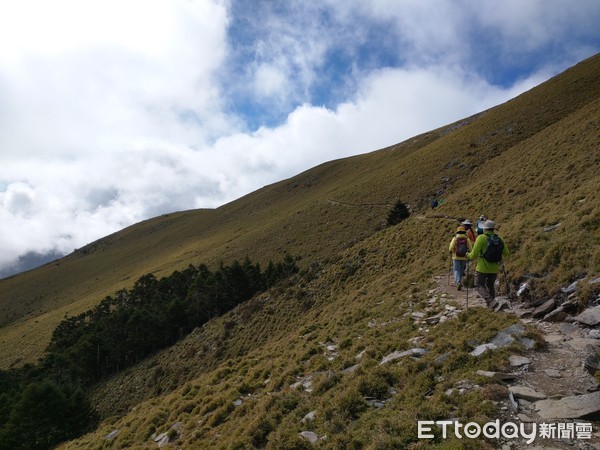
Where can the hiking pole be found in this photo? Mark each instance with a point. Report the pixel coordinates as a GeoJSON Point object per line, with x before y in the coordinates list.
{"type": "Point", "coordinates": [449, 270]}
{"type": "Point", "coordinates": [468, 284]}
{"type": "Point", "coordinates": [508, 291]}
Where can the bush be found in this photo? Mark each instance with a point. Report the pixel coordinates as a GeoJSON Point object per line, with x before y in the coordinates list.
{"type": "Point", "coordinates": [398, 213]}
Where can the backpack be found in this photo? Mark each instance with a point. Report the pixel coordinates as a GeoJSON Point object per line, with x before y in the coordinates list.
{"type": "Point", "coordinates": [461, 248]}
{"type": "Point", "coordinates": [493, 252]}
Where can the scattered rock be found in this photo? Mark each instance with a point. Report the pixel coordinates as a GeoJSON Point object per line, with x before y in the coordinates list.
{"type": "Point", "coordinates": [517, 361]}
{"type": "Point", "coordinates": [397, 355]}
{"type": "Point", "coordinates": [310, 436]}
{"type": "Point", "coordinates": [589, 317]}
{"type": "Point", "coordinates": [351, 369]}
{"type": "Point", "coordinates": [375, 403]}
{"type": "Point", "coordinates": [527, 393]}
{"type": "Point", "coordinates": [497, 375]}
{"type": "Point", "coordinates": [507, 336]}
{"type": "Point", "coordinates": [238, 402]}
{"type": "Point", "coordinates": [309, 417]}
{"type": "Point", "coordinates": [524, 418]}
{"type": "Point", "coordinates": [113, 434]}
{"type": "Point", "coordinates": [594, 334]}
{"type": "Point", "coordinates": [551, 227]}
{"type": "Point", "coordinates": [592, 362]}
{"type": "Point", "coordinates": [162, 440]}
{"type": "Point", "coordinates": [522, 289]}
{"type": "Point", "coordinates": [574, 407]}
{"type": "Point", "coordinates": [558, 315]}
{"type": "Point", "coordinates": [481, 349]}
{"type": "Point", "coordinates": [547, 307]}
{"type": "Point", "coordinates": [553, 373]}
{"type": "Point", "coordinates": [570, 288]}
{"type": "Point", "coordinates": [580, 344]}
{"type": "Point", "coordinates": [529, 344]}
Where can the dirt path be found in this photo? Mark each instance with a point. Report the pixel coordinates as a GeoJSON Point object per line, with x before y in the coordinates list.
{"type": "Point", "coordinates": [555, 372]}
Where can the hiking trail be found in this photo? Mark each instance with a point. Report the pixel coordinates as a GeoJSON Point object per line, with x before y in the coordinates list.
{"type": "Point", "coordinates": [551, 385]}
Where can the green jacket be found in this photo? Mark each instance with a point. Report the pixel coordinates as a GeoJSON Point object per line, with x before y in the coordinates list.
{"type": "Point", "coordinates": [479, 249]}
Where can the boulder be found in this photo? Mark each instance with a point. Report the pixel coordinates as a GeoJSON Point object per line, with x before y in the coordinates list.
{"type": "Point", "coordinates": [517, 361]}
{"type": "Point", "coordinates": [497, 375]}
{"type": "Point", "coordinates": [589, 317]}
{"type": "Point", "coordinates": [541, 311]}
{"type": "Point", "coordinates": [527, 393]}
{"type": "Point", "coordinates": [309, 417]}
{"type": "Point", "coordinates": [310, 436]}
{"type": "Point", "coordinates": [558, 315]}
{"type": "Point", "coordinates": [481, 349]}
{"type": "Point", "coordinates": [507, 336]}
{"type": "Point", "coordinates": [397, 355]}
{"type": "Point", "coordinates": [574, 407]}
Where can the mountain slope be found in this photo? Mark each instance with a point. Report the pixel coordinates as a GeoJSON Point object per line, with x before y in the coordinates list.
{"type": "Point", "coordinates": [517, 162]}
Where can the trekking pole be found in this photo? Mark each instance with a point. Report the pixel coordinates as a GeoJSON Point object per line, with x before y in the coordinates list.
{"type": "Point", "coordinates": [508, 291]}
{"type": "Point", "coordinates": [468, 284]}
{"type": "Point", "coordinates": [449, 270]}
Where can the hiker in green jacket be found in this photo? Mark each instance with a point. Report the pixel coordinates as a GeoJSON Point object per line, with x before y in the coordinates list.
{"type": "Point", "coordinates": [489, 248]}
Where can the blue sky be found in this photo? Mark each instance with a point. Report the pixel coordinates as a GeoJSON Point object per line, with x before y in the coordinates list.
{"type": "Point", "coordinates": [112, 112]}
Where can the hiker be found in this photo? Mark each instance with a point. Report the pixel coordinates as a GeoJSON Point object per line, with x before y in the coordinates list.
{"type": "Point", "coordinates": [469, 227]}
{"type": "Point", "coordinates": [480, 221]}
{"type": "Point", "coordinates": [459, 247]}
{"type": "Point", "coordinates": [489, 248]}
{"type": "Point", "coordinates": [433, 203]}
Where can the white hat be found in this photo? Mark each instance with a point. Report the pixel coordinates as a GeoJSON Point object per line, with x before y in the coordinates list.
{"type": "Point", "coordinates": [488, 225]}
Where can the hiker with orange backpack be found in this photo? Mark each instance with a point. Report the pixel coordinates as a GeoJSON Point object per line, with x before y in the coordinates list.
{"type": "Point", "coordinates": [489, 249]}
{"type": "Point", "coordinates": [459, 247]}
{"type": "Point", "coordinates": [469, 227]}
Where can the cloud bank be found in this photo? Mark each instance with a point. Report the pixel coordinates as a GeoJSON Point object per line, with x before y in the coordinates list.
{"type": "Point", "coordinates": [112, 112]}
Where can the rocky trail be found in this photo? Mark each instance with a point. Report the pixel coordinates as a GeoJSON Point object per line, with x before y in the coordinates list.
{"type": "Point", "coordinates": [551, 388]}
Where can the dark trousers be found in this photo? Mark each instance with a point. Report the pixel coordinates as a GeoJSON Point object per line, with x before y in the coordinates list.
{"type": "Point", "coordinates": [484, 283]}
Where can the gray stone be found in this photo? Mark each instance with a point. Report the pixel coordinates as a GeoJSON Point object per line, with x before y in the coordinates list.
{"type": "Point", "coordinates": [481, 349]}
{"type": "Point", "coordinates": [496, 375]}
{"type": "Point", "coordinates": [113, 434]}
{"type": "Point", "coordinates": [524, 418]}
{"type": "Point", "coordinates": [507, 336]}
{"type": "Point", "coordinates": [574, 407]}
{"type": "Point", "coordinates": [397, 355]}
{"type": "Point", "coordinates": [513, 403]}
{"type": "Point", "coordinates": [558, 315]}
{"type": "Point", "coordinates": [594, 334]}
{"type": "Point", "coordinates": [517, 361]}
{"type": "Point", "coordinates": [310, 436]}
{"type": "Point", "coordinates": [580, 344]}
{"type": "Point", "coordinates": [570, 288]}
{"type": "Point", "coordinates": [351, 369]}
{"type": "Point", "coordinates": [162, 440]}
{"type": "Point", "coordinates": [551, 227]}
{"type": "Point", "coordinates": [529, 344]}
{"type": "Point", "coordinates": [553, 373]}
{"type": "Point", "coordinates": [590, 316]}
{"type": "Point", "coordinates": [238, 402]}
{"type": "Point", "coordinates": [309, 417]}
{"type": "Point", "coordinates": [568, 328]}
{"type": "Point", "coordinates": [541, 311]}
{"type": "Point", "coordinates": [527, 393]}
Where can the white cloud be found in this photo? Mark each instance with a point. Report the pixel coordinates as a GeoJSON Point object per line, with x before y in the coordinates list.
{"type": "Point", "coordinates": [115, 112]}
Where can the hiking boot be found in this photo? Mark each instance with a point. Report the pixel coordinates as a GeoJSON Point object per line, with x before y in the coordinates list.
{"type": "Point", "coordinates": [459, 287]}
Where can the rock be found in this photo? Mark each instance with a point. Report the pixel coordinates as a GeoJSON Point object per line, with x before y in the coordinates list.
{"type": "Point", "coordinates": [513, 403]}
{"type": "Point", "coordinates": [351, 369]}
{"type": "Point", "coordinates": [237, 402]}
{"type": "Point", "coordinates": [397, 355]}
{"type": "Point", "coordinates": [551, 227]}
{"type": "Point", "coordinates": [360, 355]}
{"type": "Point", "coordinates": [594, 334]}
{"type": "Point", "coordinates": [522, 313]}
{"type": "Point", "coordinates": [527, 393]}
{"type": "Point", "coordinates": [517, 361]}
{"type": "Point", "coordinates": [589, 317]}
{"type": "Point", "coordinates": [497, 375]}
{"type": "Point", "coordinates": [375, 403]}
{"type": "Point", "coordinates": [568, 328]}
{"type": "Point", "coordinates": [541, 311]}
{"type": "Point", "coordinates": [529, 344]}
{"type": "Point", "coordinates": [558, 315]}
{"type": "Point", "coordinates": [553, 373]}
{"type": "Point", "coordinates": [162, 440]}
{"type": "Point", "coordinates": [113, 434]}
{"type": "Point", "coordinates": [570, 288]}
{"type": "Point", "coordinates": [524, 418]}
{"type": "Point", "coordinates": [507, 336]}
{"type": "Point", "coordinates": [580, 344]}
{"type": "Point", "coordinates": [309, 417]}
{"type": "Point", "coordinates": [418, 315]}
{"type": "Point", "coordinates": [440, 359]}
{"type": "Point", "coordinates": [310, 436]}
{"type": "Point", "coordinates": [522, 289]}
{"type": "Point", "coordinates": [481, 349]}
{"type": "Point", "coordinates": [592, 362]}
{"type": "Point", "coordinates": [574, 407]}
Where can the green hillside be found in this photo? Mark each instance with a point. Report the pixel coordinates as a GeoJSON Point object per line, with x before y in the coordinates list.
{"type": "Point", "coordinates": [528, 164]}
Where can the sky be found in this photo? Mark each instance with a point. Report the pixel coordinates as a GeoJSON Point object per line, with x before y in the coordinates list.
{"type": "Point", "coordinates": [112, 112]}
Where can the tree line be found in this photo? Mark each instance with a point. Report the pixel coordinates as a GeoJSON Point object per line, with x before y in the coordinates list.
{"type": "Point", "coordinates": [44, 404]}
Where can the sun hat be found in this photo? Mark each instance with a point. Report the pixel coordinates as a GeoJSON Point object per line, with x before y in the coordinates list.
{"type": "Point", "coordinates": [461, 230]}
{"type": "Point", "coordinates": [467, 222]}
{"type": "Point", "coordinates": [488, 225]}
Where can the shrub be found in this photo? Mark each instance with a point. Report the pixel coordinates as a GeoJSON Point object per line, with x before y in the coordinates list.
{"type": "Point", "coordinates": [398, 213]}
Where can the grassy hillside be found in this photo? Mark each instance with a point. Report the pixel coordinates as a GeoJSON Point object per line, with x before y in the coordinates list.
{"type": "Point", "coordinates": [529, 164]}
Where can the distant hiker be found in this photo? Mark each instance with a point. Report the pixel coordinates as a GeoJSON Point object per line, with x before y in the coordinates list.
{"type": "Point", "coordinates": [433, 203]}
{"type": "Point", "coordinates": [480, 221]}
{"type": "Point", "coordinates": [469, 227]}
{"type": "Point", "coordinates": [459, 247]}
{"type": "Point", "coordinates": [489, 248]}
